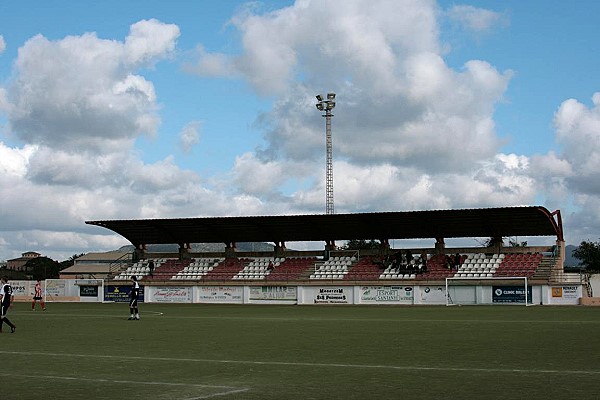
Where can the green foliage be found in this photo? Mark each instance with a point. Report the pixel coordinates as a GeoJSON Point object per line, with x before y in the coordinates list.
{"type": "Point", "coordinates": [491, 241]}
{"type": "Point", "coordinates": [589, 254]}
{"type": "Point", "coordinates": [12, 274]}
{"type": "Point", "coordinates": [43, 268]}
{"type": "Point", "coordinates": [514, 243]}
{"type": "Point", "coordinates": [361, 244]}
{"type": "Point", "coordinates": [69, 263]}
{"type": "Point", "coordinates": [494, 241]}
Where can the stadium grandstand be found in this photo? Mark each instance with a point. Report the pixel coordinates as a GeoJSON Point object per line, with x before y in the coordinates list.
{"type": "Point", "coordinates": [490, 266]}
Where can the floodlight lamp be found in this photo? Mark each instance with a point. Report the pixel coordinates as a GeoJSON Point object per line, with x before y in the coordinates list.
{"type": "Point", "coordinates": [330, 105]}
{"type": "Point", "coordinates": [319, 97]}
{"type": "Point", "coordinates": [320, 106]}
{"type": "Point", "coordinates": [330, 96]}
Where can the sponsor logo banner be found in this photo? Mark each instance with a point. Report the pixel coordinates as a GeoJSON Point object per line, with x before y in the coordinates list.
{"type": "Point", "coordinates": [88, 291]}
{"type": "Point", "coordinates": [386, 294]}
{"type": "Point", "coordinates": [22, 288]}
{"type": "Point", "coordinates": [333, 295]}
{"type": "Point", "coordinates": [55, 288]}
{"type": "Point", "coordinates": [510, 294]}
{"type": "Point", "coordinates": [120, 294]}
{"type": "Point", "coordinates": [172, 295]}
{"type": "Point", "coordinates": [433, 295]}
{"type": "Point", "coordinates": [221, 294]}
{"type": "Point", "coordinates": [566, 292]}
{"type": "Point", "coordinates": [274, 293]}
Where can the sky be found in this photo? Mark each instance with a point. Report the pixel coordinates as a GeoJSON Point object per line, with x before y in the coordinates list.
{"type": "Point", "coordinates": [154, 109]}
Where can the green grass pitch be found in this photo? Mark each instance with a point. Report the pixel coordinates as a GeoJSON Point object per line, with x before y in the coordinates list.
{"type": "Point", "coordinates": [194, 351]}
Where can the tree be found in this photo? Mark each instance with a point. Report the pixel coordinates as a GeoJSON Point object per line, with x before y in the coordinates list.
{"type": "Point", "coordinates": [514, 243]}
{"type": "Point", "coordinates": [70, 262]}
{"type": "Point", "coordinates": [498, 240]}
{"type": "Point", "coordinates": [43, 268]}
{"type": "Point", "coordinates": [589, 254]}
{"type": "Point", "coordinates": [491, 241]}
{"type": "Point", "coordinates": [360, 244]}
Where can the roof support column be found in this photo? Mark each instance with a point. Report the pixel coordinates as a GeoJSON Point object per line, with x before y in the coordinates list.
{"type": "Point", "coordinates": [184, 251]}
{"type": "Point", "coordinates": [279, 249]}
{"type": "Point", "coordinates": [330, 245]}
{"type": "Point", "coordinates": [440, 246]}
{"type": "Point", "coordinates": [230, 250]}
{"type": "Point", "coordinates": [561, 252]}
{"type": "Point", "coordinates": [384, 247]}
{"type": "Point", "coordinates": [140, 252]}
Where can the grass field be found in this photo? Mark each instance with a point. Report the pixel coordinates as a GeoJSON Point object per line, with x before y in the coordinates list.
{"type": "Point", "coordinates": [91, 351]}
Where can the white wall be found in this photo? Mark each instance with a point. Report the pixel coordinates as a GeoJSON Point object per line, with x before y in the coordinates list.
{"type": "Point", "coordinates": [62, 290]}
{"type": "Point", "coordinates": [595, 282]}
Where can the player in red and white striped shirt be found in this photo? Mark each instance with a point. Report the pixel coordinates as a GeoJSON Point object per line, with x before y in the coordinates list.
{"type": "Point", "coordinates": [37, 296]}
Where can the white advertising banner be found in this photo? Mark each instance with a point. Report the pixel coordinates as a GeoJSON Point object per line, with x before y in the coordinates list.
{"type": "Point", "coordinates": [171, 294]}
{"type": "Point", "coordinates": [221, 294]}
{"type": "Point", "coordinates": [565, 294]}
{"type": "Point", "coordinates": [329, 295]}
{"type": "Point", "coordinates": [288, 293]}
{"type": "Point", "coordinates": [386, 295]}
{"type": "Point", "coordinates": [56, 288]}
{"type": "Point", "coordinates": [61, 290]}
{"type": "Point", "coordinates": [22, 289]}
{"type": "Point", "coordinates": [433, 295]}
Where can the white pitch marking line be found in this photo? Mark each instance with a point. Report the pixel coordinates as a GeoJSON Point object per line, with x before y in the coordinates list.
{"type": "Point", "coordinates": [69, 378]}
{"type": "Point", "coordinates": [306, 364]}
{"type": "Point", "coordinates": [154, 312]}
{"type": "Point", "coordinates": [50, 315]}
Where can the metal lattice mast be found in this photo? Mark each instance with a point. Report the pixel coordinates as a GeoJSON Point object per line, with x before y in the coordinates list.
{"type": "Point", "coordinates": [327, 106]}
{"type": "Point", "coordinates": [329, 165]}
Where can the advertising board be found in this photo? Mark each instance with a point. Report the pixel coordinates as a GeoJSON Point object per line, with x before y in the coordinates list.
{"type": "Point", "coordinates": [511, 294]}
{"type": "Point", "coordinates": [171, 294]}
{"type": "Point", "coordinates": [386, 295]}
{"type": "Point", "coordinates": [120, 293]}
{"type": "Point", "coordinates": [221, 294]}
{"type": "Point", "coordinates": [286, 293]}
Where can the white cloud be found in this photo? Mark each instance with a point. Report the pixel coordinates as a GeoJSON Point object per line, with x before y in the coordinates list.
{"type": "Point", "coordinates": [254, 176]}
{"type": "Point", "coordinates": [2, 44]}
{"type": "Point", "coordinates": [150, 40]}
{"type": "Point", "coordinates": [578, 132]}
{"type": "Point", "coordinates": [189, 136]}
{"type": "Point", "coordinates": [86, 93]}
{"type": "Point", "coordinates": [476, 19]}
{"type": "Point", "coordinates": [569, 179]}
{"type": "Point", "coordinates": [211, 64]}
{"type": "Point", "coordinates": [14, 162]}
{"type": "Point", "coordinates": [78, 104]}
{"type": "Point", "coordinates": [4, 103]}
{"type": "Point", "coordinates": [409, 132]}
{"type": "Point", "coordinates": [325, 41]}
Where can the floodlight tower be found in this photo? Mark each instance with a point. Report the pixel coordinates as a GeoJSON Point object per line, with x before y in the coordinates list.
{"type": "Point", "coordinates": [327, 106]}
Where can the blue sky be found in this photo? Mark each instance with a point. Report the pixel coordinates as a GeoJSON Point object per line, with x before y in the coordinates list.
{"type": "Point", "coordinates": [153, 109]}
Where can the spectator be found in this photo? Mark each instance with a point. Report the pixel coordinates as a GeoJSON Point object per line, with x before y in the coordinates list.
{"type": "Point", "coordinates": [151, 267]}
{"type": "Point", "coordinates": [424, 259]}
{"type": "Point", "coordinates": [409, 257]}
{"type": "Point", "coordinates": [457, 260]}
{"type": "Point", "coordinates": [270, 267]}
{"type": "Point", "coordinates": [449, 262]}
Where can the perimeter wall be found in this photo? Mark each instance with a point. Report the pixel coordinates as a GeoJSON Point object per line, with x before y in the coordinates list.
{"type": "Point", "coordinates": [71, 290]}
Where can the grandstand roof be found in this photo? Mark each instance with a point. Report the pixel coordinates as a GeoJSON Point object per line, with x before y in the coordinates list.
{"type": "Point", "coordinates": [485, 222]}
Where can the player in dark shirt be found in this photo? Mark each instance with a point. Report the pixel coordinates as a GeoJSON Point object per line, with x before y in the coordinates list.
{"type": "Point", "coordinates": [133, 299]}
{"type": "Point", "coordinates": [6, 298]}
